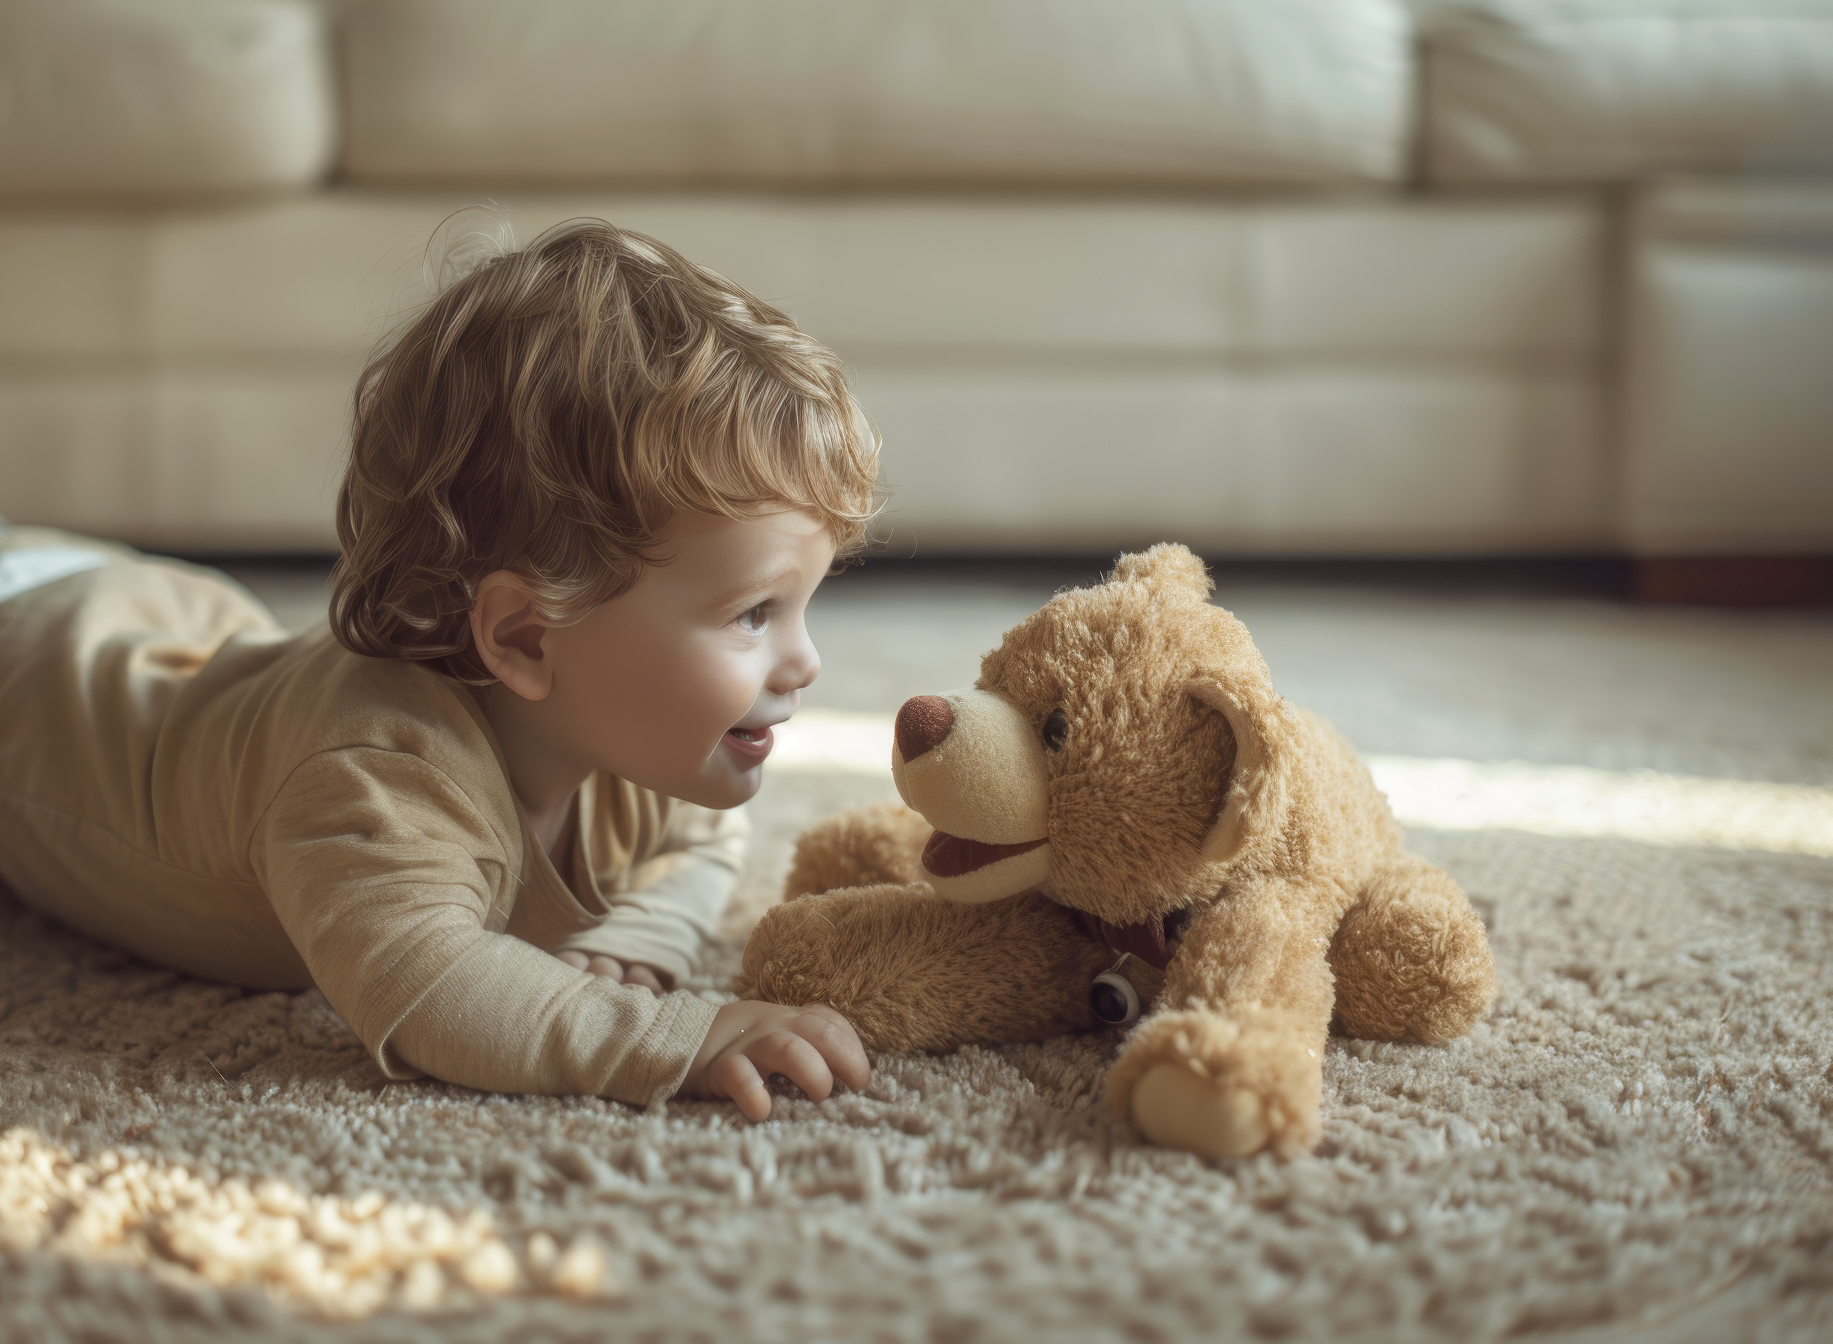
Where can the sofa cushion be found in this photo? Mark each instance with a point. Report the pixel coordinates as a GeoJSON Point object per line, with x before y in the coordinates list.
{"type": "Point", "coordinates": [116, 99]}
{"type": "Point", "coordinates": [1377, 372]}
{"type": "Point", "coordinates": [880, 276]}
{"type": "Point", "coordinates": [880, 91]}
{"type": "Point", "coordinates": [1611, 90]}
{"type": "Point", "coordinates": [1353, 457]}
{"type": "Point", "coordinates": [1728, 410]}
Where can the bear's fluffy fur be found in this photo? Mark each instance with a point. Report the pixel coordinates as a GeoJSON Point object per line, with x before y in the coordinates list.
{"type": "Point", "coordinates": [1124, 758]}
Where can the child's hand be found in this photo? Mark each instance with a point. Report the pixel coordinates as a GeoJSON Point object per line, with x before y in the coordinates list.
{"type": "Point", "coordinates": [750, 1040]}
{"type": "Point", "coordinates": [625, 972]}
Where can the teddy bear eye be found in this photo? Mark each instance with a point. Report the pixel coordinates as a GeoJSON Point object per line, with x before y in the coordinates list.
{"type": "Point", "coordinates": [1056, 730]}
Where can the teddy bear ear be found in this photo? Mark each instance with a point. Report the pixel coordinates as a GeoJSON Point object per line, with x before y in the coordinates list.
{"type": "Point", "coordinates": [1168, 567]}
{"type": "Point", "coordinates": [1257, 801]}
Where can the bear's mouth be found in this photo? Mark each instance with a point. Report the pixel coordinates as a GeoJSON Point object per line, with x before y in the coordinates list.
{"type": "Point", "coordinates": [954, 856]}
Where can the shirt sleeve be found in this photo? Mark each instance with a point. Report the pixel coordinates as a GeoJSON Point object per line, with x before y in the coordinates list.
{"type": "Point", "coordinates": [666, 907]}
{"type": "Point", "coordinates": [384, 873]}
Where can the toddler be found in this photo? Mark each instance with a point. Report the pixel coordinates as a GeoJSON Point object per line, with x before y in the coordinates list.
{"type": "Point", "coordinates": [493, 811]}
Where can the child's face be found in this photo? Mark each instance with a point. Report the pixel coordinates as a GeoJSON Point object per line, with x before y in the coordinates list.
{"type": "Point", "coordinates": [675, 684]}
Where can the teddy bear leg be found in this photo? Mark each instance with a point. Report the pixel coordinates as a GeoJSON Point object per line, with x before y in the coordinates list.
{"type": "Point", "coordinates": [911, 971]}
{"type": "Point", "coordinates": [1237, 1067]}
{"type": "Point", "coordinates": [861, 847]}
{"type": "Point", "coordinates": [1412, 961]}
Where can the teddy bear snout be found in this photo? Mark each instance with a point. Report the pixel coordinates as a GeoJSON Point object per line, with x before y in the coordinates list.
{"type": "Point", "coordinates": [922, 724]}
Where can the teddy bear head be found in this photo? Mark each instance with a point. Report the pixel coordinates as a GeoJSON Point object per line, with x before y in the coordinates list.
{"type": "Point", "coordinates": [1122, 747]}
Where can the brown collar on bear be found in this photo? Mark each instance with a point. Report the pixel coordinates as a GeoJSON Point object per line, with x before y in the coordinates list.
{"type": "Point", "coordinates": [1149, 940]}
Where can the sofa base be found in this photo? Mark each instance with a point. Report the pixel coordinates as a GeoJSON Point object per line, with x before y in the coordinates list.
{"type": "Point", "coordinates": [1736, 580]}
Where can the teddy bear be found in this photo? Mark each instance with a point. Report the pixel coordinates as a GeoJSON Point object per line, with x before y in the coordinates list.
{"type": "Point", "coordinates": [1122, 824]}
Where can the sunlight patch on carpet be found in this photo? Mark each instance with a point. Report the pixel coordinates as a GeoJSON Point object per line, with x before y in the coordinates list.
{"type": "Point", "coordinates": [1446, 794]}
{"type": "Point", "coordinates": [340, 1257]}
{"type": "Point", "coordinates": [1574, 800]}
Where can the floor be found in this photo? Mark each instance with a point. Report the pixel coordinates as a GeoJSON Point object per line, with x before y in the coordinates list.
{"type": "Point", "coordinates": [1635, 1143]}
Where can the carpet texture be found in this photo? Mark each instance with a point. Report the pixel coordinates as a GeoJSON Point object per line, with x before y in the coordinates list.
{"type": "Point", "coordinates": [1637, 1142]}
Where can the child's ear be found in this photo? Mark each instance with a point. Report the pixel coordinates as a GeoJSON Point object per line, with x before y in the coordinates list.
{"type": "Point", "coordinates": [510, 635]}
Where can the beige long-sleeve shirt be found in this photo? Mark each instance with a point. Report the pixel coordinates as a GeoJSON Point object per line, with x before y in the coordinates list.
{"type": "Point", "coordinates": [181, 778]}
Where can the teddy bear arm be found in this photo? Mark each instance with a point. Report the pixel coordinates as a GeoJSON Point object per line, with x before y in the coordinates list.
{"type": "Point", "coordinates": [860, 847]}
{"type": "Point", "coordinates": [911, 971]}
{"type": "Point", "coordinates": [1232, 1061]}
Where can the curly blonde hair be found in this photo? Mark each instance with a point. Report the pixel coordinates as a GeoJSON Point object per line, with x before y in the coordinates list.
{"type": "Point", "coordinates": [548, 413]}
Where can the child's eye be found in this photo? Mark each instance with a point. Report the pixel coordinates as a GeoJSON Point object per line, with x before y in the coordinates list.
{"type": "Point", "coordinates": [756, 618]}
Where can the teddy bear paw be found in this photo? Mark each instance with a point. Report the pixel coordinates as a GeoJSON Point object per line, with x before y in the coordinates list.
{"type": "Point", "coordinates": [1176, 1107]}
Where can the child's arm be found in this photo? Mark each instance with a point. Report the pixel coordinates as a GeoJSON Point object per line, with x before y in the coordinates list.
{"type": "Point", "coordinates": [375, 863]}
{"type": "Point", "coordinates": [666, 908]}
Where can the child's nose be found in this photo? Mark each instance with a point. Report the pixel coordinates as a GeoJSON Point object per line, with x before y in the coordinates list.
{"type": "Point", "coordinates": [799, 667]}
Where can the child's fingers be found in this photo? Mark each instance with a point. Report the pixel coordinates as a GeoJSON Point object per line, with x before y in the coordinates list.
{"type": "Point", "coordinates": [642, 975]}
{"type": "Point", "coordinates": [734, 1076]}
{"type": "Point", "coordinates": [787, 1053]}
{"type": "Point", "coordinates": [609, 967]}
{"type": "Point", "coordinates": [838, 1043]}
{"type": "Point", "coordinates": [577, 960]}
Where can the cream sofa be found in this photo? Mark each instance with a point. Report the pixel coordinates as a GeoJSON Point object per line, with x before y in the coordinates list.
{"type": "Point", "coordinates": [1275, 277]}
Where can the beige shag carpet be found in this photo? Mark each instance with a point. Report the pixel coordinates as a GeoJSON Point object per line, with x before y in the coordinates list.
{"type": "Point", "coordinates": [1638, 1142]}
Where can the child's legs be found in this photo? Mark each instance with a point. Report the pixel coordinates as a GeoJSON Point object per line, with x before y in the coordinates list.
{"type": "Point", "coordinates": [97, 643]}
{"type": "Point", "coordinates": [179, 602]}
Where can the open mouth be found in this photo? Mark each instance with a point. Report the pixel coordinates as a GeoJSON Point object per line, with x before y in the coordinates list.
{"type": "Point", "coordinates": [750, 745]}
{"type": "Point", "coordinates": [952, 856]}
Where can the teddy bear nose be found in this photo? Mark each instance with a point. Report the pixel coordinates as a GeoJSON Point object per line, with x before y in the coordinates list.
{"type": "Point", "coordinates": [922, 723]}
